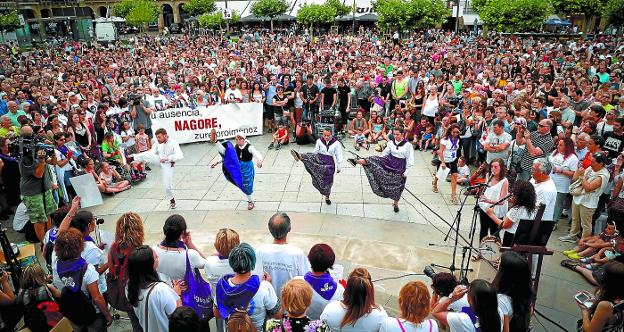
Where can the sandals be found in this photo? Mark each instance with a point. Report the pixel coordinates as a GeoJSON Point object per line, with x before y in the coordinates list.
{"type": "Point", "coordinates": [454, 199]}
{"type": "Point", "coordinates": [351, 161]}
{"type": "Point", "coordinates": [570, 264]}
{"type": "Point", "coordinates": [250, 205]}
{"type": "Point", "coordinates": [295, 155]}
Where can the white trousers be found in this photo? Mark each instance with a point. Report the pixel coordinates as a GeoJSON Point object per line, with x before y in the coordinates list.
{"type": "Point", "coordinates": [166, 171]}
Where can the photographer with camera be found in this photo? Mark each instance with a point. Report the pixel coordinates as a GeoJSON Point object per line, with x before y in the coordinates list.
{"type": "Point", "coordinates": [443, 284]}
{"type": "Point", "coordinates": [35, 185]}
{"type": "Point", "coordinates": [140, 113]}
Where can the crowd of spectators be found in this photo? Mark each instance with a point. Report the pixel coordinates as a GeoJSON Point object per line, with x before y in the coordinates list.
{"type": "Point", "coordinates": [540, 118]}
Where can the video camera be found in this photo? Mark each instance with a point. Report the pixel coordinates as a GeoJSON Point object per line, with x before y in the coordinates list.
{"type": "Point", "coordinates": [135, 99]}
{"type": "Point", "coordinates": [29, 146]}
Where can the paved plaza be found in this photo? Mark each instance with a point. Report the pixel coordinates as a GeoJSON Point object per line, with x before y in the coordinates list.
{"type": "Point", "coordinates": [361, 227]}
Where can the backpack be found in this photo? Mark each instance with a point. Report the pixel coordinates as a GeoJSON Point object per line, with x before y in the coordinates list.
{"type": "Point", "coordinates": [76, 306]}
{"type": "Point", "coordinates": [42, 310]}
{"type": "Point", "coordinates": [239, 321]}
{"type": "Point", "coordinates": [116, 280]}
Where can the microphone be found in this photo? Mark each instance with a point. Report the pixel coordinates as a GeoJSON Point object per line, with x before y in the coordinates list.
{"type": "Point", "coordinates": [478, 185]}
{"type": "Point", "coordinates": [503, 199]}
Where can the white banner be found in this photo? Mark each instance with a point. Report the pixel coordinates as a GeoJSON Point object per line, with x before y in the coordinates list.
{"type": "Point", "coordinates": [187, 125]}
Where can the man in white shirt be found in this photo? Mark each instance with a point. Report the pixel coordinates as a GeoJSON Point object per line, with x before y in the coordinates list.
{"type": "Point", "coordinates": [545, 188]}
{"type": "Point", "coordinates": [166, 152]}
{"type": "Point", "coordinates": [233, 94]}
{"type": "Point", "coordinates": [280, 259]}
{"type": "Point", "coordinates": [156, 100]}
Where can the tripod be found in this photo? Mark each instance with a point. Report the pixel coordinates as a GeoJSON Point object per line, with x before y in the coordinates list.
{"type": "Point", "coordinates": [455, 227]}
{"type": "Point", "coordinates": [11, 259]}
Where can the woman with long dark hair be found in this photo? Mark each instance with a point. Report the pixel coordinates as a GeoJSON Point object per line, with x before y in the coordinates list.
{"type": "Point", "coordinates": [498, 187]}
{"type": "Point", "coordinates": [524, 208]}
{"type": "Point", "coordinates": [358, 310]}
{"type": "Point", "coordinates": [482, 314]}
{"type": "Point", "coordinates": [607, 312]}
{"type": "Point", "coordinates": [145, 289]}
{"type": "Point", "coordinates": [513, 284]}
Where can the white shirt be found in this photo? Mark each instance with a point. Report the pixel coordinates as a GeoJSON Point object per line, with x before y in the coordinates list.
{"type": "Point", "coordinates": [392, 325]}
{"type": "Point", "coordinates": [405, 151]}
{"type": "Point", "coordinates": [431, 107]}
{"type": "Point", "coordinates": [216, 268]}
{"type": "Point", "coordinates": [319, 303]}
{"type": "Point", "coordinates": [463, 171]}
{"type": "Point", "coordinates": [90, 277]}
{"type": "Point", "coordinates": [283, 262]}
{"type": "Point", "coordinates": [333, 150]}
{"type": "Point", "coordinates": [450, 149]}
{"type": "Point", "coordinates": [264, 299]}
{"type": "Point", "coordinates": [162, 302]}
{"type": "Point", "coordinates": [170, 150]}
{"type": "Point", "coordinates": [515, 214]}
{"type": "Point", "coordinates": [562, 182]}
{"type": "Point", "coordinates": [172, 263]}
{"type": "Point", "coordinates": [20, 219]}
{"type": "Point", "coordinates": [493, 193]}
{"type": "Point", "coordinates": [233, 95]}
{"type": "Point", "coordinates": [460, 322]}
{"type": "Point", "coordinates": [334, 313]}
{"type": "Point", "coordinates": [546, 193]}
{"type": "Point", "coordinates": [590, 200]}
{"type": "Point", "coordinates": [505, 305]}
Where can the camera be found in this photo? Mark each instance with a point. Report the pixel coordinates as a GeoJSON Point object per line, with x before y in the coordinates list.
{"type": "Point", "coordinates": [429, 272]}
{"type": "Point", "coordinates": [135, 99]}
{"type": "Point", "coordinates": [29, 146]}
{"type": "Point", "coordinates": [99, 221]}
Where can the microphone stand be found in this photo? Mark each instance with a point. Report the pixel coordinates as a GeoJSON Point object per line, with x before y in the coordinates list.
{"type": "Point", "coordinates": [456, 224]}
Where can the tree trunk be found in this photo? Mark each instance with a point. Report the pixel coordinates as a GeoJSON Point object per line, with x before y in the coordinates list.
{"type": "Point", "coordinates": [271, 24]}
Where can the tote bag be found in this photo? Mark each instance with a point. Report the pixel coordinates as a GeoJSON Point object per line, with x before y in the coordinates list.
{"type": "Point", "coordinates": [197, 295]}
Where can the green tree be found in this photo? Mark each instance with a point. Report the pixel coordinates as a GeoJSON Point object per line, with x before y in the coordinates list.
{"type": "Point", "coordinates": [407, 14]}
{"type": "Point", "coordinates": [9, 21]}
{"type": "Point", "coordinates": [316, 14]}
{"type": "Point", "coordinates": [614, 12]}
{"type": "Point", "coordinates": [214, 20]}
{"type": "Point", "coordinates": [587, 7]}
{"type": "Point", "coordinates": [199, 7]}
{"type": "Point", "coordinates": [269, 8]}
{"type": "Point", "coordinates": [340, 8]}
{"type": "Point", "coordinates": [515, 15]}
{"type": "Point", "coordinates": [137, 12]}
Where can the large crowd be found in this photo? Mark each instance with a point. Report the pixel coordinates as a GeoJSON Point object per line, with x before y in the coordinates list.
{"type": "Point", "coordinates": [541, 119]}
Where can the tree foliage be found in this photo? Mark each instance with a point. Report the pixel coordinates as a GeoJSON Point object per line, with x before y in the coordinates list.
{"type": "Point", "coordinates": [215, 20]}
{"type": "Point", "coordinates": [514, 15]}
{"type": "Point", "coordinates": [199, 7]}
{"type": "Point", "coordinates": [137, 12]}
{"type": "Point", "coordinates": [614, 12]}
{"type": "Point", "coordinates": [406, 14]}
{"type": "Point", "coordinates": [269, 8]}
{"type": "Point", "coordinates": [340, 8]}
{"type": "Point", "coordinates": [587, 7]}
{"type": "Point", "coordinates": [316, 14]}
{"type": "Point", "coordinates": [9, 21]}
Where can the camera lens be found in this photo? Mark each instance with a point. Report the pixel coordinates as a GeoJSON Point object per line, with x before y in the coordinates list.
{"type": "Point", "coordinates": [99, 221]}
{"type": "Point", "coordinates": [429, 272]}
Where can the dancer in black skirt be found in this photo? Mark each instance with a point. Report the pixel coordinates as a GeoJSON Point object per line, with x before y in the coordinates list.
{"type": "Point", "coordinates": [387, 173]}
{"type": "Point", "coordinates": [320, 163]}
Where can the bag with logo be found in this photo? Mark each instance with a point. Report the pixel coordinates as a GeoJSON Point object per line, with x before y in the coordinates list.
{"type": "Point", "coordinates": [198, 295]}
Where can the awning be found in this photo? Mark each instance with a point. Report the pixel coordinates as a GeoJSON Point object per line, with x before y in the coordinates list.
{"type": "Point", "coordinates": [255, 19]}
{"type": "Point", "coordinates": [556, 20]}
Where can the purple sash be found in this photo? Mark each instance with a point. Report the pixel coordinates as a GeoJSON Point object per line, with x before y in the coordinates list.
{"type": "Point", "coordinates": [473, 317]}
{"type": "Point", "coordinates": [324, 284]}
{"type": "Point", "coordinates": [238, 296]}
{"type": "Point", "coordinates": [71, 272]}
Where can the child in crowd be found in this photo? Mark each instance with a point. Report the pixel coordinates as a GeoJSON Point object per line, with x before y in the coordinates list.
{"type": "Point", "coordinates": [419, 131]}
{"type": "Point", "coordinates": [281, 137]}
{"type": "Point", "coordinates": [463, 172]}
{"type": "Point", "coordinates": [142, 142]}
{"type": "Point", "coordinates": [605, 254]}
{"type": "Point", "coordinates": [427, 138]}
{"type": "Point", "coordinates": [359, 141]}
{"type": "Point", "coordinates": [127, 138]}
{"type": "Point", "coordinates": [113, 182]}
{"type": "Point", "coordinates": [593, 244]}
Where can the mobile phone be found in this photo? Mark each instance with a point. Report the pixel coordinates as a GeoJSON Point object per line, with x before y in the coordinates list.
{"type": "Point", "coordinates": [584, 298]}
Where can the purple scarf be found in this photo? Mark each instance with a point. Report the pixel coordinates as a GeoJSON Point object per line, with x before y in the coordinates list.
{"type": "Point", "coordinates": [177, 244]}
{"type": "Point", "coordinates": [237, 296]}
{"type": "Point", "coordinates": [71, 272]}
{"type": "Point", "coordinates": [328, 144]}
{"type": "Point", "coordinates": [324, 284]}
{"type": "Point", "coordinates": [473, 317]}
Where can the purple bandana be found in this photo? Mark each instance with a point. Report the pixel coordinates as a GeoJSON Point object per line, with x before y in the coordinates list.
{"type": "Point", "coordinates": [473, 317]}
{"type": "Point", "coordinates": [324, 284]}
{"type": "Point", "coordinates": [328, 144]}
{"type": "Point", "coordinates": [237, 296]}
{"type": "Point", "coordinates": [71, 272]}
{"type": "Point", "coordinates": [177, 244]}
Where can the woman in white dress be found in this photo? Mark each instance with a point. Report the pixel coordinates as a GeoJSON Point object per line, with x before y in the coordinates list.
{"type": "Point", "coordinates": [431, 104]}
{"type": "Point", "coordinates": [498, 187]}
{"type": "Point", "coordinates": [524, 209]}
{"type": "Point", "coordinates": [357, 312]}
{"type": "Point", "coordinates": [448, 158]}
{"type": "Point", "coordinates": [564, 163]}
{"type": "Point", "coordinates": [414, 308]}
